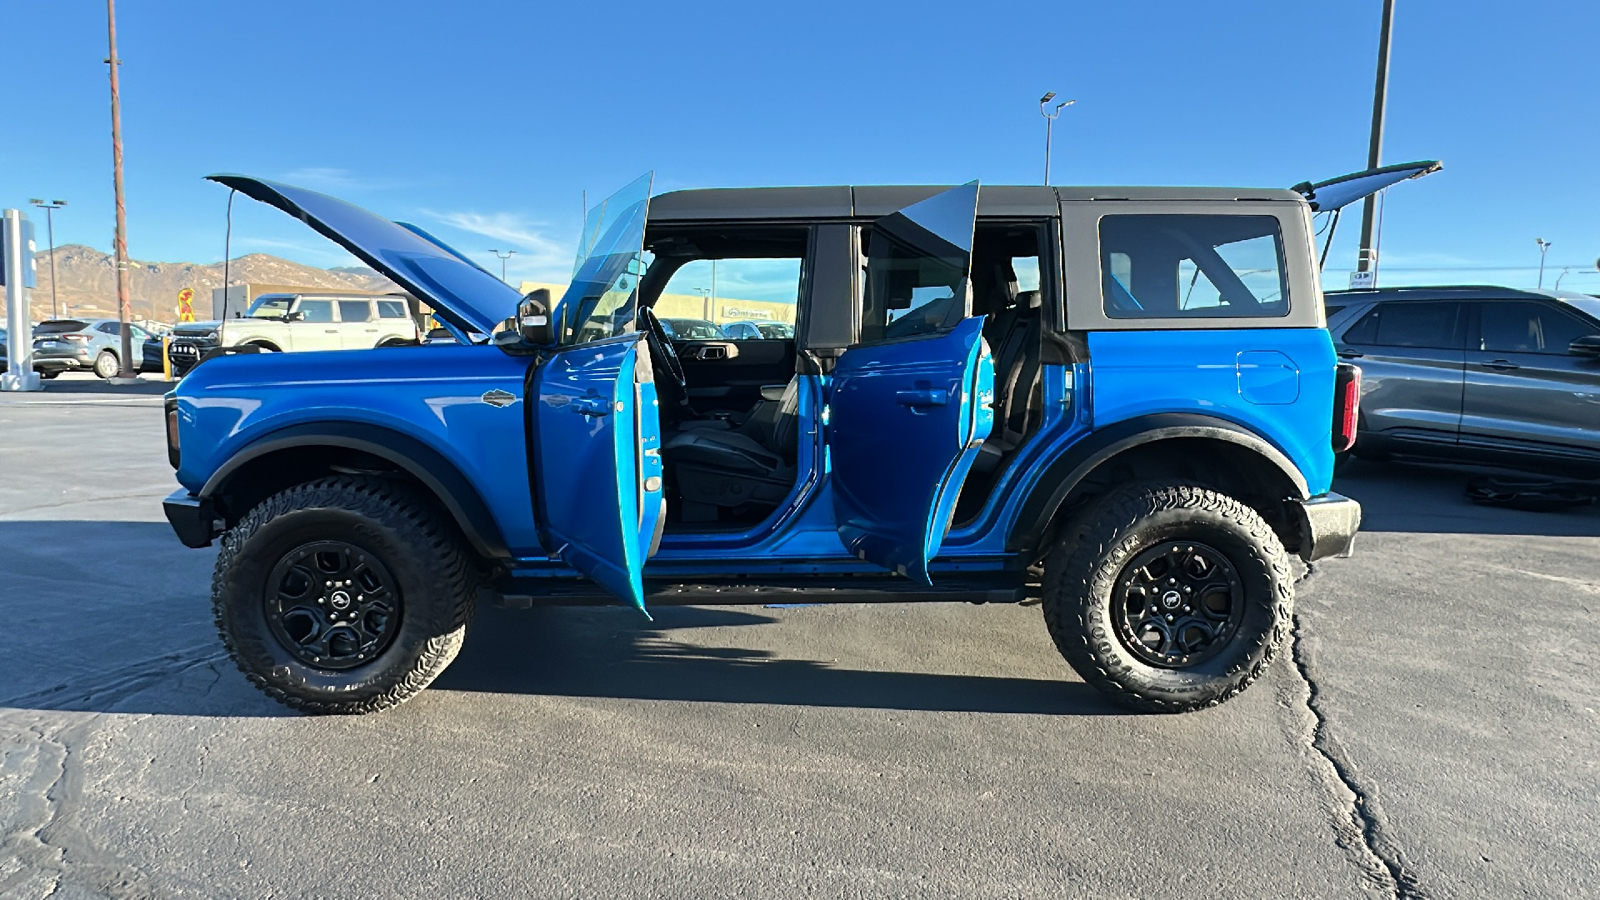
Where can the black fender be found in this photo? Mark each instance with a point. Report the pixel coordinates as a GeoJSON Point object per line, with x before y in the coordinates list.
{"type": "Point", "coordinates": [438, 474]}
{"type": "Point", "coordinates": [1068, 470]}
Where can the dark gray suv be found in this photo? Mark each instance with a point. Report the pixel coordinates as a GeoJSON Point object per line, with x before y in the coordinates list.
{"type": "Point", "coordinates": [1475, 374]}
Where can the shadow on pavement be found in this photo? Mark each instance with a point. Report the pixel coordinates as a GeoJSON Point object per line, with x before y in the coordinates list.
{"type": "Point", "coordinates": [1420, 499]}
{"type": "Point", "coordinates": [144, 388]}
{"type": "Point", "coordinates": [116, 617]}
{"type": "Point", "coordinates": [612, 652]}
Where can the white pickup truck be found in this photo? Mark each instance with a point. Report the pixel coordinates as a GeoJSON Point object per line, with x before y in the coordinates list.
{"type": "Point", "coordinates": [297, 322]}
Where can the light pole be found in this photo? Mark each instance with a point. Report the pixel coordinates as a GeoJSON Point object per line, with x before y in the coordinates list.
{"type": "Point", "coordinates": [1049, 123]}
{"type": "Point", "coordinates": [1564, 271]}
{"type": "Point", "coordinates": [50, 229]}
{"type": "Point", "coordinates": [1380, 98]}
{"type": "Point", "coordinates": [1544, 247]}
{"type": "Point", "coordinates": [508, 254]}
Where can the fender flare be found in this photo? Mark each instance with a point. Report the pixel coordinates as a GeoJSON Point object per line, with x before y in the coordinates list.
{"type": "Point", "coordinates": [1068, 470]}
{"type": "Point", "coordinates": [430, 467]}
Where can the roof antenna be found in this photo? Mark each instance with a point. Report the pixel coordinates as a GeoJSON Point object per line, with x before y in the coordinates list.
{"type": "Point", "coordinates": [227, 250]}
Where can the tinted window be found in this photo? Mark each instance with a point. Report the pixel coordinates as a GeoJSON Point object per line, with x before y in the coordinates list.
{"type": "Point", "coordinates": [354, 311]}
{"type": "Point", "coordinates": [391, 309]}
{"type": "Point", "coordinates": [917, 266]}
{"type": "Point", "coordinates": [1431, 325]}
{"type": "Point", "coordinates": [60, 326]}
{"type": "Point", "coordinates": [316, 310]}
{"type": "Point", "coordinates": [1527, 327]}
{"type": "Point", "coordinates": [110, 327]}
{"type": "Point", "coordinates": [1183, 266]}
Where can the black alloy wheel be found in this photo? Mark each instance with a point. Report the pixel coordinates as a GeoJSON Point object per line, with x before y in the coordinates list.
{"type": "Point", "coordinates": [333, 604]}
{"type": "Point", "coordinates": [1181, 603]}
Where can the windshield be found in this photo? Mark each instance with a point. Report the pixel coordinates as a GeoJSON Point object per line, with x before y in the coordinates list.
{"type": "Point", "coordinates": [599, 303]}
{"type": "Point", "coordinates": [270, 307]}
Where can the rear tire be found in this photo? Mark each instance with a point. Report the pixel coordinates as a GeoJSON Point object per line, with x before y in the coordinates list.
{"type": "Point", "coordinates": [1126, 609]}
{"type": "Point", "coordinates": [106, 364]}
{"type": "Point", "coordinates": [389, 615]}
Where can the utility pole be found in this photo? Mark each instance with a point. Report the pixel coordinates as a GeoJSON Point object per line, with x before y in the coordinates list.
{"type": "Point", "coordinates": [1380, 97]}
{"type": "Point", "coordinates": [1544, 247]}
{"type": "Point", "coordinates": [120, 242]}
{"type": "Point", "coordinates": [1049, 122]}
{"type": "Point", "coordinates": [50, 228]}
{"type": "Point", "coordinates": [508, 255]}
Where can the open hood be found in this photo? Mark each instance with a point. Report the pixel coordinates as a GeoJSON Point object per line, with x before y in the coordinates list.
{"type": "Point", "coordinates": [459, 291]}
{"type": "Point", "coordinates": [1336, 193]}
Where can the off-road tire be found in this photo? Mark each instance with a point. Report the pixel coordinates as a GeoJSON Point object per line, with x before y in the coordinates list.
{"type": "Point", "coordinates": [432, 570]}
{"type": "Point", "coordinates": [1082, 571]}
{"type": "Point", "coordinates": [106, 365]}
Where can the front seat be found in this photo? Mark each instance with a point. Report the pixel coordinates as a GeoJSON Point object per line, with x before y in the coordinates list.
{"type": "Point", "coordinates": [743, 470]}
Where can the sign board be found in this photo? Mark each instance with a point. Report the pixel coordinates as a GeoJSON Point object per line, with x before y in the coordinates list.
{"type": "Point", "coordinates": [186, 305]}
{"type": "Point", "coordinates": [1363, 281]}
{"type": "Point", "coordinates": [29, 265]}
{"type": "Point", "coordinates": [736, 312]}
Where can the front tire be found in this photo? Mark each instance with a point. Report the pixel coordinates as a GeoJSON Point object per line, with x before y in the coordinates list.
{"type": "Point", "coordinates": [345, 595]}
{"type": "Point", "coordinates": [1168, 598]}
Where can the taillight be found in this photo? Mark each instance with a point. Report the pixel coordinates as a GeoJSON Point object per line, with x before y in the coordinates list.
{"type": "Point", "coordinates": [1346, 406]}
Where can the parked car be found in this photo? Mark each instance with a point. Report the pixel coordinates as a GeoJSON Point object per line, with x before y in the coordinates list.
{"type": "Point", "coordinates": [1475, 374]}
{"type": "Point", "coordinates": [1151, 432]}
{"type": "Point", "coordinates": [691, 329]}
{"type": "Point", "coordinates": [81, 345]}
{"type": "Point", "coordinates": [758, 331]}
{"type": "Point", "coordinates": [299, 322]}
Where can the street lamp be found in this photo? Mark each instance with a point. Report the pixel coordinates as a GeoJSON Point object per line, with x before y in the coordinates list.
{"type": "Point", "coordinates": [507, 255]}
{"type": "Point", "coordinates": [1049, 122]}
{"type": "Point", "coordinates": [1544, 247]}
{"type": "Point", "coordinates": [50, 228]}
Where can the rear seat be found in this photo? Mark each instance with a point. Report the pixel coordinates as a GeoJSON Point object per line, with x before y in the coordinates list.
{"type": "Point", "coordinates": [1014, 336]}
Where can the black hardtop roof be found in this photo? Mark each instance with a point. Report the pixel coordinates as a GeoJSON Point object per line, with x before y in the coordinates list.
{"type": "Point", "coordinates": [1441, 292]}
{"type": "Point", "coordinates": [872, 201]}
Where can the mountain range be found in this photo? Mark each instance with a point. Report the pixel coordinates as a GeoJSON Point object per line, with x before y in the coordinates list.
{"type": "Point", "coordinates": [86, 282]}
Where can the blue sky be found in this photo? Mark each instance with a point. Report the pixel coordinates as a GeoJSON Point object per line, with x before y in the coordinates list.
{"type": "Point", "coordinates": [484, 121]}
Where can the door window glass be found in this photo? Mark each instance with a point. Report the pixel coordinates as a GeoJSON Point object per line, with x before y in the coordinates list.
{"type": "Point", "coordinates": [734, 299]}
{"type": "Point", "coordinates": [1430, 325]}
{"type": "Point", "coordinates": [918, 260]}
{"type": "Point", "coordinates": [1526, 327]}
{"type": "Point", "coordinates": [110, 327]}
{"type": "Point", "coordinates": [1192, 266]}
{"type": "Point", "coordinates": [316, 310]}
{"type": "Point", "coordinates": [354, 311]}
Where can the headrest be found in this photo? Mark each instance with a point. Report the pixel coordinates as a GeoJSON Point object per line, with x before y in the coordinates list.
{"type": "Point", "coordinates": [1030, 299]}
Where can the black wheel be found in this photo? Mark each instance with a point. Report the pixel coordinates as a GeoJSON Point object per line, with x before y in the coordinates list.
{"type": "Point", "coordinates": [106, 364]}
{"type": "Point", "coordinates": [1168, 598]}
{"type": "Point", "coordinates": [345, 595]}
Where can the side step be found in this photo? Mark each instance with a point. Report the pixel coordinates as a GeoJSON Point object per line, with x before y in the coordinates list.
{"type": "Point", "coordinates": [524, 593]}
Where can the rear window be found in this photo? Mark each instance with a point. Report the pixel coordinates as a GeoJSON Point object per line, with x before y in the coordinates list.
{"type": "Point", "coordinates": [1192, 266]}
{"type": "Point", "coordinates": [1423, 325]}
{"type": "Point", "coordinates": [391, 309]}
{"type": "Point", "coordinates": [60, 326]}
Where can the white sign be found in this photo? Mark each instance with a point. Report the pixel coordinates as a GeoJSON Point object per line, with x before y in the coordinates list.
{"type": "Point", "coordinates": [1362, 281]}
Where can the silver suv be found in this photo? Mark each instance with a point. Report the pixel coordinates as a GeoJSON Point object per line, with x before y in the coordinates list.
{"type": "Point", "coordinates": [1475, 374]}
{"type": "Point", "coordinates": [80, 345]}
{"type": "Point", "coordinates": [297, 322]}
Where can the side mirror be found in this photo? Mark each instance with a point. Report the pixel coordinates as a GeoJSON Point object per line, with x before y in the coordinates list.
{"type": "Point", "coordinates": [533, 318]}
{"type": "Point", "coordinates": [296, 316]}
{"type": "Point", "coordinates": [1586, 346]}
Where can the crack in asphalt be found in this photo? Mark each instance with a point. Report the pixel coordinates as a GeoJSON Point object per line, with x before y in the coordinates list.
{"type": "Point", "coordinates": [140, 676]}
{"type": "Point", "coordinates": [1358, 822]}
{"type": "Point", "coordinates": [47, 838]}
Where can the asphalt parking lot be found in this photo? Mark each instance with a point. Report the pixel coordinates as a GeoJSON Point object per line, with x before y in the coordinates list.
{"type": "Point", "coordinates": [1432, 733]}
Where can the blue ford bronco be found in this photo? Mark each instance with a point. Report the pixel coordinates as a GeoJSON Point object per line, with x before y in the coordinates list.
{"type": "Point", "coordinates": [1121, 400]}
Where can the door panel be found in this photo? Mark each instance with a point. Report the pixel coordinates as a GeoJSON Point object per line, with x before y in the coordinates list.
{"type": "Point", "coordinates": [729, 374]}
{"type": "Point", "coordinates": [596, 445]}
{"type": "Point", "coordinates": [1523, 391]}
{"type": "Point", "coordinates": [906, 422]}
{"type": "Point", "coordinates": [1411, 357]}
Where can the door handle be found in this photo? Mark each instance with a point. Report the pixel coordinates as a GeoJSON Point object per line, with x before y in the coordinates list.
{"type": "Point", "coordinates": [928, 397]}
{"type": "Point", "coordinates": [1501, 365]}
{"type": "Point", "coordinates": [1351, 354]}
{"type": "Point", "coordinates": [590, 406]}
{"type": "Point", "coordinates": [330, 331]}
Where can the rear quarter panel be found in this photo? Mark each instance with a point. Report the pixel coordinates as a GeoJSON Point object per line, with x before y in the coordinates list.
{"type": "Point", "coordinates": [1278, 382]}
{"type": "Point", "coordinates": [433, 394]}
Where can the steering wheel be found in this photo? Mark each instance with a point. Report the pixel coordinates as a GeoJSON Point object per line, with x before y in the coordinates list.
{"type": "Point", "coordinates": [664, 360]}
